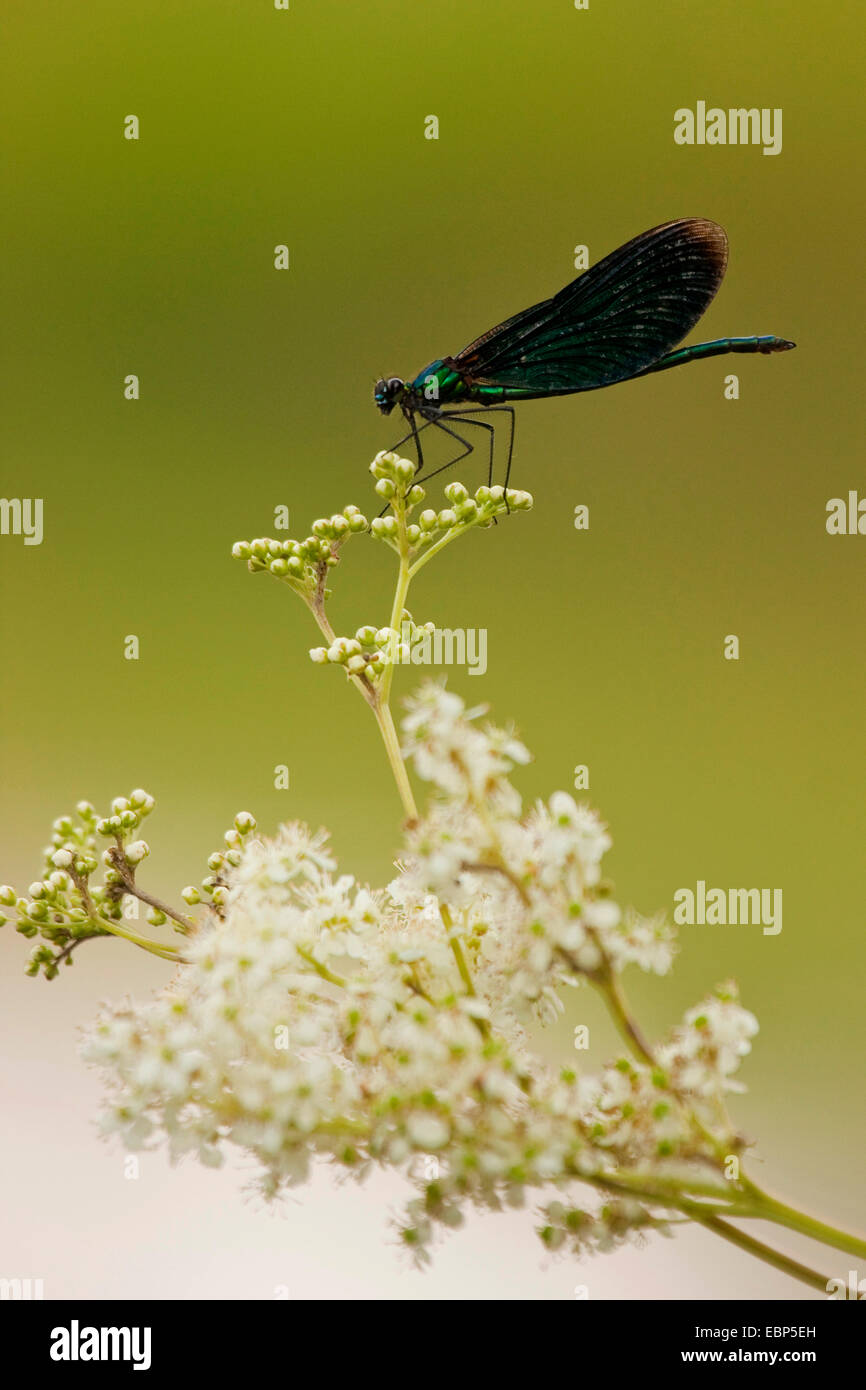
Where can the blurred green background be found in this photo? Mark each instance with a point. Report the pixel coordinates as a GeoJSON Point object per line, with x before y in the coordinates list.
{"type": "Point", "coordinates": [155, 257]}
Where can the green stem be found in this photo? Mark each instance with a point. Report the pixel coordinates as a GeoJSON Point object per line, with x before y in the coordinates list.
{"type": "Point", "coordinates": [395, 758]}
{"type": "Point", "coordinates": [712, 1221]}
{"type": "Point", "coordinates": [400, 594]}
{"type": "Point", "coordinates": [320, 968]}
{"type": "Point", "coordinates": [435, 548]}
{"type": "Point", "coordinates": [154, 947]}
{"type": "Point", "coordinates": [771, 1209]}
{"type": "Point", "coordinates": [761, 1251]}
{"type": "Point", "coordinates": [619, 1011]}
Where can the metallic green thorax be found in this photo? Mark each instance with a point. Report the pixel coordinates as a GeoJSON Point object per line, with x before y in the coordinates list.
{"type": "Point", "coordinates": [443, 384]}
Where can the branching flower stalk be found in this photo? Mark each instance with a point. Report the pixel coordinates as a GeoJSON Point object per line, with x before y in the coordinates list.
{"type": "Point", "coordinates": [369, 657]}
{"type": "Point", "coordinates": [309, 1017]}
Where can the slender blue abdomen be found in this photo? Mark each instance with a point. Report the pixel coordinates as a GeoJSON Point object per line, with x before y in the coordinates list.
{"type": "Point", "coordinates": [717, 348]}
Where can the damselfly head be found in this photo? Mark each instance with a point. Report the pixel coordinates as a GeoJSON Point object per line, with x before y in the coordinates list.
{"type": "Point", "coordinates": [388, 393]}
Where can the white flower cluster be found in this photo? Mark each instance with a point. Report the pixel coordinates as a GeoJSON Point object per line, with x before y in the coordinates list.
{"type": "Point", "coordinates": [316, 1018]}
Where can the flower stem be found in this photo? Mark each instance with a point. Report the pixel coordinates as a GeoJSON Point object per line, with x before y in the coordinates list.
{"type": "Point", "coordinates": [771, 1209]}
{"type": "Point", "coordinates": [400, 594]}
{"type": "Point", "coordinates": [392, 747]}
{"type": "Point", "coordinates": [761, 1251]}
{"type": "Point", "coordinates": [619, 1010]}
{"type": "Point", "coordinates": [155, 948]}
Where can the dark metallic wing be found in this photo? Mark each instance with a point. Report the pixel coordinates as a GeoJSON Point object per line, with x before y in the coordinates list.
{"type": "Point", "coordinates": [610, 323]}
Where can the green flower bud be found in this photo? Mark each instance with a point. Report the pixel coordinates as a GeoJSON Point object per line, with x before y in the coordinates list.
{"type": "Point", "coordinates": [386, 488]}
{"type": "Point", "coordinates": [244, 823]}
{"type": "Point", "coordinates": [366, 635]}
{"type": "Point", "coordinates": [156, 918]}
{"type": "Point", "coordinates": [415, 495]}
{"type": "Point", "coordinates": [413, 534]}
{"type": "Point", "coordinates": [7, 895]}
{"type": "Point", "coordinates": [112, 876]}
{"type": "Point", "coordinates": [321, 528]}
{"type": "Point", "coordinates": [356, 665]}
{"type": "Point", "coordinates": [60, 880]}
{"type": "Point", "coordinates": [377, 527]}
{"type": "Point", "coordinates": [61, 859]}
{"type": "Point", "coordinates": [456, 492]}
{"type": "Point", "coordinates": [446, 519]}
{"type": "Point", "coordinates": [191, 895]}
{"type": "Point", "coordinates": [137, 851]}
{"type": "Point", "coordinates": [63, 825]}
{"type": "Point", "coordinates": [38, 912]}
{"type": "Point", "coordinates": [215, 862]}
{"type": "Point", "coordinates": [279, 567]}
{"type": "Point", "coordinates": [319, 654]}
{"type": "Point", "coordinates": [337, 652]}
{"type": "Point", "coordinates": [382, 465]}
{"type": "Point", "coordinates": [405, 470]}
{"type": "Point", "coordinates": [129, 820]}
{"type": "Point", "coordinates": [119, 804]}
{"type": "Point", "coordinates": [241, 550]}
{"type": "Point", "coordinates": [233, 857]}
{"type": "Point", "coordinates": [357, 522]}
{"type": "Point", "coordinates": [85, 810]}
{"type": "Point", "coordinates": [428, 520]}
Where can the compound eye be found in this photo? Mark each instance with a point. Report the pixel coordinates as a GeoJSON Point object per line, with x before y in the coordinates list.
{"type": "Point", "coordinates": [379, 389]}
{"type": "Point", "coordinates": [395, 385]}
